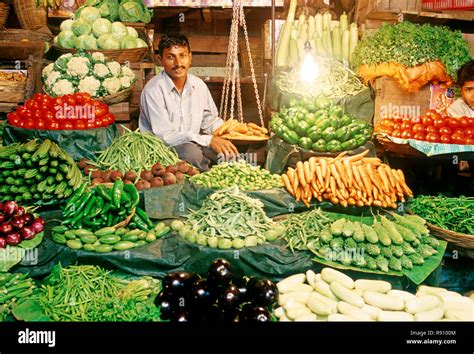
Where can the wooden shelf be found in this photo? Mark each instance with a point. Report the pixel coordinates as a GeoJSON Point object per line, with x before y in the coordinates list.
{"type": "Point", "coordinates": [422, 16]}
{"type": "Point", "coordinates": [218, 79]}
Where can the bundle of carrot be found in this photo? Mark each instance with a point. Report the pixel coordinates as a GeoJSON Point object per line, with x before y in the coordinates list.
{"type": "Point", "coordinates": [347, 180]}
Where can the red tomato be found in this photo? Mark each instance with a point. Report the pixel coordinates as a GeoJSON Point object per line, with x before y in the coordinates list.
{"type": "Point", "coordinates": [13, 118]}
{"type": "Point", "coordinates": [463, 122]}
{"type": "Point", "coordinates": [418, 128]}
{"type": "Point", "coordinates": [40, 124]}
{"type": "Point", "coordinates": [58, 101]}
{"type": "Point", "coordinates": [21, 123]}
{"type": "Point", "coordinates": [96, 103]}
{"type": "Point", "coordinates": [79, 124]}
{"type": "Point", "coordinates": [397, 126]}
{"type": "Point", "coordinates": [471, 122]}
{"type": "Point", "coordinates": [38, 115]}
{"type": "Point", "coordinates": [416, 120]}
{"type": "Point", "coordinates": [419, 136]}
{"type": "Point", "coordinates": [87, 96]}
{"type": "Point", "coordinates": [38, 97]}
{"type": "Point", "coordinates": [427, 121]}
{"type": "Point", "coordinates": [433, 114]}
{"type": "Point", "coordinates": [29, 124]}
{"type": "Point", "coordinates": [445, 139]}
{"type": "Point", "coordinates": [45, 107]}
{"type": "Point", "coordinates": [66, 125]}
{"type": "Point", "coordinates": [397, 119]}
{"type": "Point", "coordinates": [90, 124]}
{"type": "Point", "coordinates": [432, 137]}
{"type": "Point", "coordinates": [406, 126]}
{"type": "Point", "coordinates": [407, 134]}
{"type": "Point", "coordinates": [453, 123]}
{"type": "Point", "coordinates": [49, 116]}
{"type": "Point", "coordinates": [457, 138]}
{"type": "Point", "coordinates": [459, 130]}
{"type": "Point", "coordinates": [28, 115]}
{"type": "Point", "coordinates": [445, 130]}
{"type": "Point", "coordinates": [397, 133]}
{"type": "Point", "coordinates": [30, 104]}
{"type": "Point", "coordinates": [109, 119]}
{"type": "Point", "coordinates": [52, 125]}
{"type": "Point", "coordinates": [99, 111]}
{"type": "Point", "coordinates": [22, 110]}
{"type": "Point", "coordinates": [438, 122]}
{"type": "Point", "coordinates": [469, 132]}
{"type": "Point", "coordinates": [469, 141]}
{"type": "Point", "coordinates": [431, 129]}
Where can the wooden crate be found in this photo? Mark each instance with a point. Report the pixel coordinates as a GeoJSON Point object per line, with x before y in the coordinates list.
{"type": "Point", "coordinates": [384, 9]}
{"type": "Point", "coordinates": [390, 98]}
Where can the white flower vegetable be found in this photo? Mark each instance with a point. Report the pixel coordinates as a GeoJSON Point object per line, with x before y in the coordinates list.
{"type": "Point", "coordinates": [48, 70]}
{"type": "Point", "coordinates": [112, 85]}
{"type": "Point", "coordinates": [51, 78]}
{"type": "Point", "coordinates": [77, 66]}
{"type": "Point", "coordinates": [98, 57]}
{"type": "Point", "coordinates": [126, 82]}
{"type": "Point", "coordinates": [62, 87]}
{"type": "Point", "coordinates": [114, 68]}
{"type": "Point", "coordinates": [101, 70]}
{"type": "Point", "coordinates": [126, 71]}
{"type": "Point", "coordinates": [90, 85]}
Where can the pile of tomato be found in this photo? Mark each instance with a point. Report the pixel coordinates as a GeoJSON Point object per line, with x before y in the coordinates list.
{"type": "Point", "coordinates": [432, 127]}
{"type": "Point", "coordinates": [69, 112]}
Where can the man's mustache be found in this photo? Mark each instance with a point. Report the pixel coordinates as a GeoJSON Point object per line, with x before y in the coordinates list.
{"type": "Point", "coordinates": [179, 67]}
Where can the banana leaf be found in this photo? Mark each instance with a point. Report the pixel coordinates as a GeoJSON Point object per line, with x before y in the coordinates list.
{"type": "Point", "coordinates": [30, 310]}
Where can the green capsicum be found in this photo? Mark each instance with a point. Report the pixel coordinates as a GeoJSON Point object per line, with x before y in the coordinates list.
{"type": "Point", "coordinates": [329, 134]}
{"type": "Point", "coordinates": [349, 144]}
{"type": "Point", "coordinates": [346, 119]}
{"type": "Point", "coordinates": [305, 143]}
{"type": "Point", "coordinates": [315, 133]}
{"type": "Point", "coordinates": [333, 146]}
{"type": "Point", "coordinates": [319, 146]}
{"type": "Point", "coordinates": [341, 134]}
{"type": "Point", "coordinates": [291, 137]}
{"type": "Point", "coordinates": [322, 102]}
{"type": "Point", "coordinates": [302, 128]}
{"type": "Point", "coordinates": [323, 124]}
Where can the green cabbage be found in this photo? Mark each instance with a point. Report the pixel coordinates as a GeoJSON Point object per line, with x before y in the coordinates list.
{"type": "Point", "coordinates": [119, 29]}
{"type": "Point", "coordinates": [132, 32]}
{"type": "Point", "coordinates": [89, 13]}
{"type": "Point", "coordinates": [134, 11]}
{"type": "Point", "coordinates": [128, 42]}
{"type": "Point", "coordinates": [66, 25]}
{"type": "Point", "coordinates": [101, 26]}
{"type": "Point", "coordinates": [109, 9]}
{"type": "Point", "coordinates": [141, 43]}
{"type": "Point", "coordinates": [81, 26]}
{"type": "Point", "coordinates": [108, 41]}
{"type": "Point", "coordinates": [67, 39]}
{"type": "Point", "coordinates": [86, 41]}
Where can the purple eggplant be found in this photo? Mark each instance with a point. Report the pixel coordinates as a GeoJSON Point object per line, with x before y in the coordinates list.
{"type": "Point", "coordinates": [220, 272]}
{"type": "Point", "coordinates": [265, 292]}
{"type": "Point", "coordinates": [230, 299]}
{"type": "Point", "coordinates": [28, 218]}
{"type": "Point", "coordinates": [21, 211]}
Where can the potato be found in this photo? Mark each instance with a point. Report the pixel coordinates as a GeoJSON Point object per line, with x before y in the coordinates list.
{"type": "Point", "coordinates": [296, 312]}
{"type": "Point", "coordinates": [431, 290]}
{"type": "Point", "coordinates": [321, 305]}
{"type": "Point", "coordinates": [379, 286]}
{"type": "Point", "coordinates": [330, 275]}
{"type": "Point", "coordinates": [383, 301]}
{"type": "Point", "coordinates": [299, 297]}
{"type": "Point", "coordinates": [372, 311]}
{"type": "Point", "coordinates": [310, 275]}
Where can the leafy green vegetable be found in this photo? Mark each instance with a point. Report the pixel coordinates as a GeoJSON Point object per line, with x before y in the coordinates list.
{"type": "Point", "coordinates": [101, 26]}
{"type": "Point", "coordinates": [67, 39]}
{"type": "Point", "coordinates": [134, 11]}
{"type": "Point", "coordinates": [81, 26]}
{"type": "Point", "coordinates": [108, 41]}
{"type": "Point", "coordinates": [88, 12]}
{"type": "Point", "coordinates": [86, 41]}
{"type": "Point", "coordinates": [411, 44]}
{"type": "Point", "coordinates": [109, 9]}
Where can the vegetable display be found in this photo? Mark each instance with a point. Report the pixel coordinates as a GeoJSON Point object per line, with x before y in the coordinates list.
{"type": "Point", "coordinates": [408, 45]}
{"type": "Point", "coordinates": [107, 239]}
{"type": "Point", "coordinates": [221, 297]}
{"type": "Point", "coordinates": [354, 180]}
{"type": "Point", "coordinates": [320, 126]}
{"type": "Point", "coordinates": [37, 172]}
{"type": "Point", "coordinates": [114, 10]}
{"type": "Point", "coordinates": [303, 229]}
{"type": "Point", "coordinates": [17, 224]}
{"type": "Point", "coordinates": [85, 72]}
{"type": "Point", "coordinates": [158, 176]}
{"type": "Point", "coordinates": [455, 214]}
{"type": "Point", "coordinates": [388, 244]}
{"type": "Point", "coordinates": [432, 128]}
{"type": "Point", "coordinates": [334, 296]}
{"type": "Point", "coordinates": [228, 219]}
{"type": "Point", "coordinates": [70, 112]}
{"type": "Point", "coordinates": [334, 81]}
{"type": "Point", "coordinates": [88, 293]}
{"type": "Point", "coordinates": [233, 129]}
{"type": "Point", "coordinates": [136, 152]}
{"type": "Point", "coordinates": [241, 174]}
{"type": "Point", "coordinates": [103, 207]}
{"type": "Point", "coordinates": [97, 34]}
{"type": "Point", "coordinates": [327, 38]}
{"type": "Point", "coordinates": [14, 287]}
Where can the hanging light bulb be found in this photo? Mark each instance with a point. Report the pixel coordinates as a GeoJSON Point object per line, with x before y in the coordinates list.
{"type": "Point", "coordinates": [309, 70]}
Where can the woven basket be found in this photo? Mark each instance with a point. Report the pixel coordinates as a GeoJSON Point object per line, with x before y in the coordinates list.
{"type": "Point", "coordinates": [22, 35]}
{"type": "Point", "coordinates": [123, 55]}
{"type": "Point", "coordinates": [462, 242]}
{"type": "Point", "coordinates": [12, 91]}
{"type": "Point", "coordinates": [119, 97]}
{"type": "Point", "coordinates": [4, 10]}
{"type": "Point", "coordinates": [125, 222]}
{"type": "Point", "coordinates": [30, 16]}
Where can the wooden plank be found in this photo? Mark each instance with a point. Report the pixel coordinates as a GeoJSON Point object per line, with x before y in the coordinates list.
{"type": "Point", "coordinates": [200, 43]}
{"type": "Point", "coordinates": [208, 60]}
{"type": "Point", "coordinates": [207, 15]}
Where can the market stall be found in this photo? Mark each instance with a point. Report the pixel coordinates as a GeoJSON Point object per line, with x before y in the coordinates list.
{"type": "Point", "coordinates": [104, 222]}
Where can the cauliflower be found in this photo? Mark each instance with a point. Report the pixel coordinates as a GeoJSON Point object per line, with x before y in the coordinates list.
{"type": "Point", "coordinates": [65, 56]}
{"type": "Point", "coordinates": [98, 57]}
{"type": "Point", "coordinates": [62, 87]}
{"type": "Point", "coordinates": [101, 70]}
{"type": "Point", "coordinates": [112, 85]}
{"type": "Point", "coordinates": [90, 85]}
{"type": "Point", "coordinates": [77, 66]}
{"type": "Point", "coordinates": [114, 68]}
{"type": "Point", "coordinates": [52, 78]}
{"type": "Point", "coordinates": [126, 71]}
{"type": "Point", "coordinates": [47, 70]}
{"type": "Point", "coordinates": [126, 81]}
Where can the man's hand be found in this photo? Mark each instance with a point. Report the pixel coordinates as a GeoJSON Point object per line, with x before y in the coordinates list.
{"type": "Point", "coordinates": [223, 146]}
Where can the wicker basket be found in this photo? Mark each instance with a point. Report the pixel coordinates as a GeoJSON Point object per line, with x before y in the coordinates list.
{"type": "Point", "coordinates": [119, 97]}
{"type": "Point", "coordinates": [4, 10]}
{"type": "Point", "coordinates": [463, 243]}
{"type": "Point", "coordinates": [12, 91]}
{"type": "Point", "coordinates": [123, 55]}
{"type": "Point", "coordinates": [30, 16]}
{"type": "Point", "coordinates": [25, 35]}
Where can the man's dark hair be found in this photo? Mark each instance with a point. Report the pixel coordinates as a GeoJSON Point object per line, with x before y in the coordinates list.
{"type": "Point", "coordinates": [466, 73]}
{"type": "Point", "coordinates": [170, 40]}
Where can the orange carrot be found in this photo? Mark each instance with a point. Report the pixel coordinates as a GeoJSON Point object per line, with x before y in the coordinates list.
{"type": "Point", "coordinates": [366, 180]}
{"type": "Point", "coordinates": [348, 168]}
{"type": "Point", "coordinates": [288, 185]}
{"type": "Point", "coordinates": [358, 156]}
{"type": "Point", "coordinates": [384, 178]}
{"type": "Point", "coordinates": [319, 175]}
{"type": "Point", "coordinates": [300, 173]}
{"type": "Point", "coordinates": [307, 172]}
{"type": "Point", "coordinates": [391, 178]}
{"type": "Point", "coordinates": [333, 185]}
{"type": "Point", "coordinates": [342, 172]}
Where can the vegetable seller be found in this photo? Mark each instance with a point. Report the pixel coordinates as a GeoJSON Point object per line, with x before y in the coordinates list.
{"type": "Point", "coordinates": [464, 106]}
{"type": "Point", "coordinates": [179, 109]}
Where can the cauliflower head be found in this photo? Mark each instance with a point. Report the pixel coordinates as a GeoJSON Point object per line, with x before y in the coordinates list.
{"type": "Point", "coordinates": [114, 68]}
{"type": "Point", "coordinates": [126, 71]}
{"type": "Point", "coordinates": [52, 78]}
{"type": "Point", "coordinates": [48, 70]}
{"type": "Point", "coordinates": [101, 70]}
{"type": "Point", "coordinates": [90, 85]}
{"type": "Point", "coordinates": [126, 81]}
{"type": "Point", "coordinates": [62, 87]}
{"type": "Point", "coordinates": [98, 57]}
{"type": "Point", "coordinates": [78, 66]}
{"type": "Point", "coordinates": [112, 85]}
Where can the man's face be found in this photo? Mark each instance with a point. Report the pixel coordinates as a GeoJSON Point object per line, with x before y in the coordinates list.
{"type": "Point", "coordinates": [176, 61]}
{"type": "Point", "coordinates": [467, 92]}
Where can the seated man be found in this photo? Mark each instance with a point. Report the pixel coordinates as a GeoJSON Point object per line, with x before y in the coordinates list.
{"type": "Point", "coordinates": [179, 109]}
{"type": "Point", "coordinates": [464, 106]}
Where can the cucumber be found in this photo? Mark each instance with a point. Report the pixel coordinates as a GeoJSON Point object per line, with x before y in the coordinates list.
{"type": "Point", "coordinates": [60, 229]}
{"type": "Point", "coordinates": [104, 248]}
{"type": "Point", "coordinates": [140, 243]}
{"type": "Point", "coordinates": [162, 232]}
{"type": "Point", "coordinates": [124, 245]}
{"type": "Point", "coordinates": [88, 238]}
{"type": "Point", "coordinates": [82, 232]}
{"type": "Point", "coordinates": [59, 238]}
{"type": "Point", "coordinates": [105, 231]}
{"type": "Point", "coordinates": [89, 247]}
{"type": "Point", "coordinates": [74, 244]}
{"type": "Point", "coordinates": [70, 235]}
{"type": "Point", "coordinates": [109, 239]}
{"type": "Point", "coordinates": [131, 238]}
{"type": "Point", "coordinates": [121, 231]}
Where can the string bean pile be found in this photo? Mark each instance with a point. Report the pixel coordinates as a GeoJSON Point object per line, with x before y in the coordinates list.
{"type": "Point", "coordinates": [334, 81]}
{"type": "Point", "coordinates": [455, 214]}
{"type": "Point", "coordinates": [135, 151]}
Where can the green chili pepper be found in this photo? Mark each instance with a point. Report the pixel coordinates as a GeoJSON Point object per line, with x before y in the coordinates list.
{"type": "Point", "coordinates": [144, 216]}
{"type": "Point", "coordinates": [142, 225]}
{"type": "Point", "coordinates": [133, 192]}
{"type": "Point", "coordinates": [117, 193]}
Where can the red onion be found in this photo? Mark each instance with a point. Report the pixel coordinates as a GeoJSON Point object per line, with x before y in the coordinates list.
{"type": "Point", "coordinates": [10, 208]}
{"type": "Point", "coordinates": [28, 232]}
{"type": "Point", "coordinates": [17, 222]}
{"type": "Point", "coordinates": [28, 218]}
{"type": "Point", "coordinates": [2, 218]}
{"type": "Point", "coordinates": [13, 239]}
{"type": "Point", "coordinates": [3, 242]}
{"type": "Point", "coordinates": [38, 225]}
{"type": "Point", "coordinates": [5, 228]}
{"type": "Point", "coordinates": [21, 211]}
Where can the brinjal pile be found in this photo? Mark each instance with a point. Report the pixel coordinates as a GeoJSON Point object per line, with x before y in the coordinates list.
{"type": "Point", "coordinates": [220, 297]}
